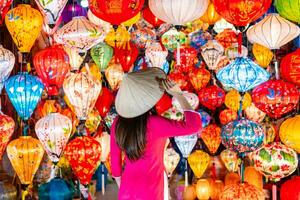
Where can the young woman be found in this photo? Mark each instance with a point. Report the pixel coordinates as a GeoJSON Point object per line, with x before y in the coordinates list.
{"type": "Point", "coordinates": [142, 135]}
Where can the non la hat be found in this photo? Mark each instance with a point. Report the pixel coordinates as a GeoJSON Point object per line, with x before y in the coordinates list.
{"type": "Point", "coordinates": [139, 92]}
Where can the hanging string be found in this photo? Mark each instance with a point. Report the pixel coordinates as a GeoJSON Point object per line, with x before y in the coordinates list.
{"type": "Point", "coordinates": [186, 174]}
{"type": "Point", "coordinates": [102, 178]}
{"type": "Point", "coordinates": [241, 105]}
{"type": "Point", "coordinates": [242, 171]}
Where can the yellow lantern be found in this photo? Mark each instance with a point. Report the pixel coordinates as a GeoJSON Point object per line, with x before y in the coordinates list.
{"type": "Point", "coordinates": [118, 38]}
{"type": "Point", "coordinates": [232, 179]}
{"type": "Point", "coordinates": [189, 193]}
{"type": "Point", "coordinates": [199, 161]}
{"type": "Point", "coordinates": [94, 69]}
{"type": "Point", "coordinates": [289, 133]}
{"type": "Point", "coordinates": [233, 98]}
{"type": "Point", "coordinates": [210, 16]}
{"type": "Point", "coordinates": [24, 24]}
{"type": "Point", "coordinates": [253, 177]}
{"type": "Point", "coordinates": [262, 54]}
{"type": "Point", "coordinates": [132, 20]}
{"type": "Point", "coordinates": [216, 187]}
{"type": "Point", "coordinates": [203, 189]}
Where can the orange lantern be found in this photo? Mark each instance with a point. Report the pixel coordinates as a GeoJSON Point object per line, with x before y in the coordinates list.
{"type": "Point", "coordinates": [289, 133]}
{"type": "Point", "coordinates": [211, 136]}
{"type": "Point", "coordinates": [210, 16]}
{"type": "Point", "coordinates": [46, 107]}
{"type": "Point", "coordinates": [203, 189]}
{"type": "Point", "coordinates": [199, 161]}
{"type": "Point", "coordinates": [226, 38]}
{"type": "Point", "coordinates": [216, 188]}
{"type": "Point", "coordinates": [262, 54]}
{"type": "Point", "coordinates": [189, 193]}
{"type": "Point", "coordinates": [253, 177]}
{"type": "Point", "coordinates": [7, 126]}
{"type": "Point", "coordinates": [227, 116]}
{"type": "Point", "coordinates": [114, 74]}
{"type": "Point", "coordinates": [233, 100]}
{"type": "Point", "coordinates": [243, 191]}
{"type": "Point", "coordinates": [232, 179]}
{"type": "Point", "coordinates": [199, 78]}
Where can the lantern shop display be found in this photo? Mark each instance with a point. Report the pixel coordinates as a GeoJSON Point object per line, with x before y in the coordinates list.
{"type": "Point", "coordinates": [171, 160]}
{"type": "Point", "coordinates": [199, 161]}
{"type": "Point", "coordinates": [242, 191]}
{"type": "Point", "coordinates": [227, 116]}
{"type": "Point", "coordinates": [203, 189]}
{"type": "Point", "coordinates": [7, 126]}
{"type": "Point", "coordinates": [236, 102]}
{"type": "Point", "coordinates": [290, 67]}
{"type": "Point", "coordinates": [290, 190]}
{"type": "Point", "coordinates": [211, 97]}
{"type": "Point", "coordinates": [7, 61]}
{"type": "Point", "coordinates": [289, 133]}
{"type": "Point", "coordinates": [211, 136]}
{"type": "Point", "coordinates": [263, 55]}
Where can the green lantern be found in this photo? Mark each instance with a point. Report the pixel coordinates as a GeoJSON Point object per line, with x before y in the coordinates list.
{"type": "Point", "coordinates": [289, 9]}
{"type": "Point", "coordinates": [101, 54]}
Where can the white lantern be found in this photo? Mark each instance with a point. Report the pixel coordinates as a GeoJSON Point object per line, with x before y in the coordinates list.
{"type": "Point", "coordinates": [105, 146]}
{"type": "Point", "coordinates": [156, 54]}
{"type": "Point", "coordinates": [273, 31]}
{"type": "Point", "coordinates": [186, 144]}
{"type": "Point", "coordinates": [192, 99]}
{"type": "Point", "coordinates": [221, 25]}
{"type": "Point", "coordinates": [7, 61]}
{"type": "Point", "coordinates": [178, 12]}
{"type": "Point", "coordinates": [171, 160]}
{"type": "Point", "coordinates": [99, 22]}
{"type": "Point", "coordinates": [211, 52]}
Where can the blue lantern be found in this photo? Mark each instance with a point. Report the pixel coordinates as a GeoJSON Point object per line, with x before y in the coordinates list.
{"type": "Point", "coordinates": [199, 38]}
{"type": "Point", "coordinates": [242, 135]}
{"type": "Point", "coordinates": [205, 118]}
{"type": "Point", "coordinates": [24, 91]}
{"type": "Point", "coordinates": [56, 189]}
{"type": "Point", "coordinates": [242, 74]}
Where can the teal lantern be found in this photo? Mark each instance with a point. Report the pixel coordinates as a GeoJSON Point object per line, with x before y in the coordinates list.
{"type": "Point", "coordinates": [242, 74]}
{"type": "Point", "coordinates": [56, 189]}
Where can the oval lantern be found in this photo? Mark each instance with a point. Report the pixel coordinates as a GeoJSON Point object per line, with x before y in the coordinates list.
{"type": "Point", "coordinates": [179, 14]}
{"type": "Point", "coordinates": [189, 193]}
{"type": "Point", "coordinates": [7, 191]}
{"type": "Point", "coordinates": [52, 66]}
{"type": "Point", "coordinates": [75, 57]}
{"type": "Point", "coordinates": [54, 131]}
{"type": "Point", "coordinates": [275, 97]}
{"type": "Point", "coordinates": [211, 53]}
{"type": "Point", "coordinates": [25, 155]}
{"type": "Point", "coordinates": [254, 114]}
{"type": "Point", "coordinates": [211, 97]}
{"type": "Point", "coordinates": [289, 133]}
{"type": "Point", "coordinates": [57, 188]}
{"type": "Point", "coordinates": [24, 24]}
{"type": "Point", "coordinates": [114, 75]}
{"type": "Point", "coordinates": [275, 161]}
{"type": "Point", "coordinates": [186, 144]}
{"type": "Point", "coordinates": [262, 55]}
{"type": "Point", "coordinates": [242, 136]}
{"type": "Point", "coordinates": [7, 126]}
{"type": "Point", "coordinates": [83, 154]}
{"type": "Point", "coordinates": [273, 32]}
{"type": "Point", "coordinates": [290, 190]}
{"type": "Point", "coordinates": [289, 9]}
{"type": "Point", "coordinates": [171, 160]}
{"type": "Point", "coordinates": [156, 54]}
{"type": "Point", "coordinates": [290, 67]}
{"type": "Point", "coordinates": [242, 191]}
{"type": "Point", "coordinates": [211, 136]}
{"type": "Point", "coordinates": [104, 101]}
{"type": "Point", "coordinates": [227, 116]}
{"type": "Point", "coordinates": [203, 189]}
{"type": "Point", "coordinates": [126, 56]}
{"type": "Point", "coordinates": [199, 161]}
{"type": "Point", "coordinates": [227, 38]}
{"type": "Point", "coordinates": [233, 99]}
{"type": "Point", "coordinates": [19, 88]}
{"type": "Point", "coordinates": [151, 18]}
{"type": "Point", "coordinates": [242, 12]}
{"type": "Point", "coordinates": [143, 37]}
{"type": "Point", "coordinates": [230, 160]}
{"type": "Point", "coordinates": [253, 177]}
{"type": "Point", "coordinates": [199, 38]}
{"type": "Point", "coordinates": [199, 78]}
{"type": "Point", "coordinates": [115, 11]}
{"type": "Point", "coordinates": [210, 16]}
{"type": "Point", "coordinates": [172, 38]}
{"type": "Point", "coordinates": [7, 62]}
{"type": "Point", "coordinates": [101, 55]}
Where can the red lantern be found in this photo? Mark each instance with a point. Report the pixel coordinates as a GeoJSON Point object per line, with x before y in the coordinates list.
{"type": "Point", "coordinates": [199, 78]}
{"type": "Point", "coordinates": [275, 97]}
{"type": "Point", "coordinates": [104, 101]}
{"type": "Point", "coordinates": [4, 7]}
{"type": "Point", "coordinates": [211, 136]}
{"type": "Point", "coordinates": [290, 190]}
{"type": "Point", "coordinates": [126, 56]}
{"type": "Point", "coordinates": [163, 104]}
{"type": "Point", "coordinates": [241, 12]}
{"type": "Point", "coordinates": [151, 18]}
{"type": "Point", "coordinates": [226, 38]}
{"type": "Point", "coordinates": [7, 126]}
{"type": "Point", "coordinates": [186, 59]}
{"type": "Point", "coordinates": [227, 116]}
{"type": "Point", "coordinates": [290, 67]}
{"type": "Point", "coordinates": [211, 97]}
{"type": "Point", "coordinates": [52, 66]}
{"type": "Point", "coordinates": [115, 11]}
{"type": "Point", "coordinates": [181, 80]}
{"type": "Point", "coordinates": [83, 154]}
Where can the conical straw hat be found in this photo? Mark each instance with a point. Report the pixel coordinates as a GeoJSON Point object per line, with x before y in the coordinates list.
{"type": "Point", "coordinates": [139, 92]}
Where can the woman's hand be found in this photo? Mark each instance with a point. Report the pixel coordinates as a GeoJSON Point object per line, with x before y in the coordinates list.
{"type": "Point", "coordinates": [170, 87]}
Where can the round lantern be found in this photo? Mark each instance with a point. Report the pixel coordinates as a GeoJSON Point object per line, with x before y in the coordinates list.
{"type": "Point", "coordinates": [151, 18]}
{"type": "Point", "coordinates": [262, 54]}
{"type": "Point", "coordinates": [172, 39]}
{"type": "Point", "coordinates": [186, 144]}
{"type": "Point", "coordinates": [290, 67]}
{"type": "Point", "coordinates": [199, 78]}
{"type": "Point", "coordinates": [210, 16]}
{"type": "Point", "coordinates": [233, 100]}
{"type": "Point", "coordinates": [179, 14]}
{"type": "Point", "coordinates": [211, 53]}
{"type": "Point", "coordinates": [79, 33]}
{"type": "Point", "coordinates": [7, 191]}
{"type": "Point", "coordinates": [75, 57]}
{"type": "Point", "coordinates": [185, 56]}
{"type": "Point", "coordinates": [104, 101]}
{"type": "Point", "coordinates": [7, 61]}
{"type": "Point", "coordinates": [199, 161]}
{"type": "Point", "coordinates": [216, 188]}
{"type": "Point", "coordinates": [83, 154]}
{"type": "Point", "coordinates": [101, 55]}
{"type": "Point", "coordinates": [181, 79]}
{"type": "Point", "coordinates": [171, 160]}
{"type": "Point", "coordinates": [242, 191]}
{"type": "Point", "coordinates": [242, 135]}
{"type": "Point", "coordinates": [242, 74]}
{"type": "Point", "coordinates": [232, 179]}
{"type": "Point", "coordinates": [115, 11]}
{"type": "Point", "coordinates": [211, 136]}
{"type": "Point", "coordinates": [164, 104]}
{"type": "Point", "coordinates": [227, 37]}
{"type": "Point", "coordinates": [211, 97]}
{"type": "Point", "coordinates": [253, 177]}
{"type": "Point", "coordinates": [221, 25]}
{"type": "Point", "coordinates": [82, 91]}
{"type": "Point", "coordinates": [7, 126]}
{"type": "Point", "coordinates": [242, 12]}
{"type": "Point", "coordinates": [289, 133]}
{"type": "Point", "coordinates": [25, 155]}
{"type": "Point", "coordinates": [230, 160]}
{"type": "Point", "coordinates": [57, 188]}
{"type": "Point", "coordinates": [4, 7]}
{"type": "Point", "coordinates": [273, 32]}
{"type": "Point", "coordinates": [126, 56]}
{"type": "Point", "coordinates": [275, 161]}
{"type": "Point", "coordinates": [275, 97]}
{"type": "Point", "coordinates": [227, 116]}
{"type": "Point", "coordinates": [19, 88]}
{"type": "Point", "coordinates": [156, 54]}
{"type": "Point", "coordinates": [254, 114]}
{"type": "Point", "coordinates": [143, 37]}
{"type": "Point", "coordinates": [199, 38]}
{"type": "Point", "coordinates": [189, 193]}
{"type": "Point", "coordinates": [289, 9]}
{"type": "Point", "coordinates": [290, 190]}
{"type": "Point", "coordinates": [203, 189]}
{"type": "Point", "coordinates": [114, 75]}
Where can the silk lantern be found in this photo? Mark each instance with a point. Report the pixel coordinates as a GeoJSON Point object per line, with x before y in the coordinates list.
{"type": "Point", "coordinates": [290, 67]}
{"type": "Point", "coordinates": [221, 25]}
{"type": "Point", "coordinates": [203, 189]}
{"type": "Point", "coordinates": [181, 79]}
{"type": "Point", "coordinates": [24, 24]}
{"type": "Point", "coordinates": [7, 126]}
{"type": "Point", "coordinates": [210, 16]}
{"type": "Point", "coordinates": [199, 38]}
{"type": "Point", "coordinates": [52, 66]}
{"type": "Point", "coordinates": [7, 191]}
{"type": "Point", "coordinates": [254, 114]}
{"type": "Point", "coordinates": [4, 7]}
{"type": "Point", "coordinates": [230, 160]}
{"type": "Point", "coordinates": [242, 12]}
{"type": "Point", "coordinates": [253, 177]}
{"type": "Point", "coordinates": [289, 133]}
{"type": "Point", "coordinates": [273, 32]}
{"type": "Point", "coordinates": [232, 178]}
{"type": "Point", "coordinates": [211, 97]}
{"type": "Point", "coordinates": [171, 160]}
{"type": "Point", "coordinates": [211, 53]}
{"type": "Point", "coordinates": [289, 9]}
{"type": "Point", "coordinates": [227, 37]}
{"type": "Point", "coordinates": [128, 23]}
{"type": "Point", "coordinates": [83, 153]}
{"type": "Point", "coordinates": [275, 161]}
{"type": "Point", "coordinates": [232, 52]}
{"type": "Point", "coordinates": [57, 188]}
{"type": "Point", "coordinates": [25, 155]}
{"type": "Point", "coordinates": [205, 118]}
{"type": "Point", "coordinates": [126, 56]}
{"type": "Point", "coordinates": [262, 55]}
{"type": "Point", "coordinates": [275, 97]}
{"type": "Point", "coordinates": [233, 100]}
{"type": "Point", "coordinates": [199, 78]}
{"type": "Point", "coordinates": [143, 37]}
{"type": "Point", "coordinates": [19, 88]}
{"type": "Point", "coordinates": [199, 161]}
{"type": "Point", "coordinates": [82, 90]}
{"type": "Point", "coordinates": [242, 74]}
{"type": "Point", "coordinates": [192, 99]}
{"type": "Point", "coordinates": [54, 131]}
{"type": "Point", "coordinates": [99, 22]}
{"type": "Point", "coordinates": [114, 75]}
{"type": "Point", "coordinates": [79, 33]}
{"type": "Point", "coordinates": [179, 14]}
{"type": "Point", "coordinates": [242, 191]}
{"type": "Point", "coordinates": [172, 39]}
{"type": "Point", "coordinates": [7, 61]}
{"type": "Point", "coordinates": [101, 55]}
{"type": "Point", "coordinates": [151, 18]}
{"type": "Point", "coordinates": [185, 56]}
{"type": "Point", "coordinates": [227, 116]}
{"type": "Point", "coordinates": [75, 57]}
{"type": "Point", "coordinates": [115, 11]}
{"type": "Point", "coordinates": [211, 136]}
{"type": "Point", "coordinates": [290, 189]}
{"type": "Point", "coordinates": [118, 38]}
{"type": "Point", "coordinates": [186, 144]}
{"type": "Point", "coordinates": [156, 54]}
{"type": "Point", "coordinates": [104, 101]}
{"type": "Point", "coordinates": [164, 104]}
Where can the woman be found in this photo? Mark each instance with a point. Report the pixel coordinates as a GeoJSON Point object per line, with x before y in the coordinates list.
{"type": "Point", "coordinates": [142, 135]}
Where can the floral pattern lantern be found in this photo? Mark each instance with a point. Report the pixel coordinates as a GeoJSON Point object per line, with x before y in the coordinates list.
{"type": "Point", "coordinates": [242, 74]}
{"type": "Point", "coordinates": [211, 137]}
{"type": "Point", "coordinates": [172, 39]}
{"type": "Point", "coordinates": [114, 75]}
{"type": "Point", "coordinates": [243, 191]}
{"type": "Point", "coordinates": [227, 37]}
{"type": "Point", "coordinates": [7, 62]}
{"type": "Point", "coordinates": [7, 126]}
{"type": "Point", "coordinates": [290, 190]}
{"type": "Point", "coordinates": [199, 78]}
{"type": "Point", "coordinates": [262, 54]}
{"type": "Point", "coordinates": [242, 136]}
{"type": "Point", "coordinates": [275, 97]}
{"type": "Point", "coordinates": [233, 100]}
{"type": "Point", "coordinates": [289, 9]}
{"type": "Point", "coordinates": [186, 144]}
{"type": "Point", "coordinates": [54, 131]}
{"type": "Point", "coordinates": [199, 38]}
{"type": "Point", "coordinates": [101, 55]}
{"type": "Point", "coordinates": [199, 161]}
{"type": "Point", "coordinates": [211, 53]}
{"type": "Point", "coordinates": [211, 97]}
{"type": "Point", "coordinates": [230, 160]}
{"type": "Point", "coordinates": [156, 54]}
{"type": "Point", "coordinates": [254, 114]}
{"type": "Point", "coordinates": [185, 56]}
{"type": "Point", "coordinates": [275, 161]}
{"type": "Point", "coordinates": [171, 160]}
{"type": "Point", "coordinates": [290, 67]}
{"type": "Point", "coordinates": [227, 116]}
{"type": "Point", "coordinates": [24, 24]}
{"type": "Point", "coordinates": [289, 133]}
{"type": "Point", "coordinates": [143, 37]}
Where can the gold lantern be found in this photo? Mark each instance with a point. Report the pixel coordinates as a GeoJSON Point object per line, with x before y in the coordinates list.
{"type": "Point", "coordinates": [189, 193]}
{"type": "Point", "coordinates": [289, 133]}
{"type": "Point", "coordinates": [233, 99]}
{"type": "Point", "coordinates": [216, 187]}
{"type": "Point", "coordinates": [253, 177]}
{"type": "Point", "coordinates": [198, 161]}
{"type": "Point", "coordinates": [203, 189]}
{"type": "Point", "coordinates": [210, 16]}
{"type": "Point", "coordinates": [262, 54]}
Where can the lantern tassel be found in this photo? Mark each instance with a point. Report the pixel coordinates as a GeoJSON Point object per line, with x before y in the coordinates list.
{"type": "Point", "coordinates": [186, 174]}
{"type": "Point", "coordinates": [102, 179]}
{"type": "Point", "coordinates": [240, 40]}
{"type": "Point", "coordinates": [24, 194]}
{"type": "Point", "coordinates": [178, 53]}
{"type": "Point", "coordinates": [274, 192]}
